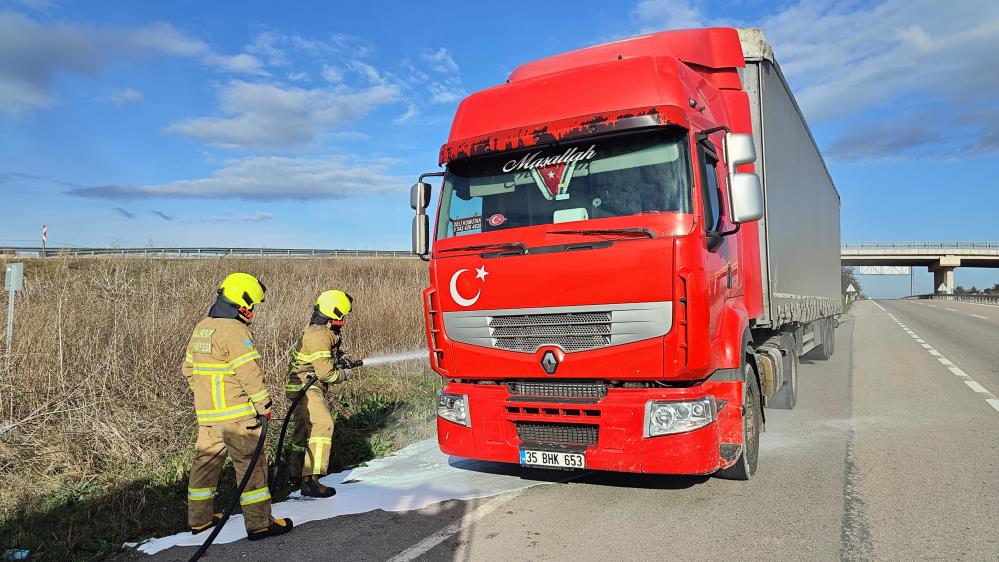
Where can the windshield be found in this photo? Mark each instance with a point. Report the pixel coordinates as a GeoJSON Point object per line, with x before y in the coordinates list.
{"type": "Point", "coordinates": [642, 173]}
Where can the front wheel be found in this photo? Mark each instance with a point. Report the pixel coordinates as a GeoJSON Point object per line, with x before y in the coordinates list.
{"type": "Point", "coordinates": [752, 421]}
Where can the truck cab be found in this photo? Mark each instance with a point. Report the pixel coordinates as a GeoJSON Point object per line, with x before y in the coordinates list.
{"type": "Point", "coordinates": [595, 262]}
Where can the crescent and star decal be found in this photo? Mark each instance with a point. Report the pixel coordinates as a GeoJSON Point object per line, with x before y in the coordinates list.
{"type": "Point", "coordinates": [480, 273]}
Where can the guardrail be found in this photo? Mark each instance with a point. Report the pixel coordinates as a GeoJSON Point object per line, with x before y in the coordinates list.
{"type": "Point", "coordinates": [207, 252]}
{"type": "Point", "coordinates": [919, 245]}
{"type": "Point", "coordinates": [980, 299]}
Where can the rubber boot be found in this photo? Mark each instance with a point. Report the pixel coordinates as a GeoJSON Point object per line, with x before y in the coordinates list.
{"type": "Point", "coordinates": [216, 517]}
{"type": "Point", "coordinates": [312, 488]}
{"type": "Point", "coordinates": [276, 528]}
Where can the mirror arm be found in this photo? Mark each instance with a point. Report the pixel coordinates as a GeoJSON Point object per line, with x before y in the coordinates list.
{"type": "Point", "coordinates": [731, 232]}
{"type": "Point", "coordinates": [430, 175]}
{"type": "Point", "coordinates": [708, 132]}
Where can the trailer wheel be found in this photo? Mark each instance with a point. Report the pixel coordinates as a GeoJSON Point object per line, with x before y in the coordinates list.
{"type": "Point", "coordinates": [787, 396]}
{"type": "Point", "coordinates": [752, 421]}
{"type": "Point", "coordinates": [825, 351]}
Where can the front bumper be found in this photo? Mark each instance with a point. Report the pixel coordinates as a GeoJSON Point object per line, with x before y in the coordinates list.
{"type": "Point", "coordinates": [619, 419]}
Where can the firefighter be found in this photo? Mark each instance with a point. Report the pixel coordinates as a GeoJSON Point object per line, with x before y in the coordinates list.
{"type": "Point", "coordinates": [222, 367]}
{"type": "Point", "coordinates": [318, 354]}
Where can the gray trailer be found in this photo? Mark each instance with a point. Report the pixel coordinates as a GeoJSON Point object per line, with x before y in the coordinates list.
{"type": "Point", "coordinates": [799, 233]}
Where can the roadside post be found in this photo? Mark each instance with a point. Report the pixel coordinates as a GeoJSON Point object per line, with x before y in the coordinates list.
{"type": "Point", "coordinates": [13, 281]}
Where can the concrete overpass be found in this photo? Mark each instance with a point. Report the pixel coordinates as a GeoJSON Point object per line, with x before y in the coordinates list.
{"type": "Point", "coordinates": [942, 258]}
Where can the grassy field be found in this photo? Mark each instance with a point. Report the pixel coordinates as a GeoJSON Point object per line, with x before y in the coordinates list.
{"type": "Point", "coordinates": [100, 422]}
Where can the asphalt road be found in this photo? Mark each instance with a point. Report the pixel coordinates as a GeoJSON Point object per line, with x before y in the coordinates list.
{"type": "Point", "coordinates": [890, 454]}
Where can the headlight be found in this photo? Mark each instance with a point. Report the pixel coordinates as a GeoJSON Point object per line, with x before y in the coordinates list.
{"type": "Point", "coordinates": [665, 418]}
{"type": "Point", "coordinates": [453, 407]}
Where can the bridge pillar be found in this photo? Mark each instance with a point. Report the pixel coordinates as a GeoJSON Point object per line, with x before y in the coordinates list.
{"type": "Point", "coordinates": [943, 273]}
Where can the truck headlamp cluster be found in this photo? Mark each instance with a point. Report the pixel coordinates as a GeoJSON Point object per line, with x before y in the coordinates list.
{"type": "Point", "coordinates": [666, 418]}
{"type": "Point", "coordinates": [453, 408]}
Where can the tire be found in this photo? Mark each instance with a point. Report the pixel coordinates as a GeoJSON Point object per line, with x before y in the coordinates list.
{"type": "Point", "coordinates": [825, 351]}
{"type": "Point", "coordinates": [787, 396]}
{"type": "Point", "coordinates": [752, 421]}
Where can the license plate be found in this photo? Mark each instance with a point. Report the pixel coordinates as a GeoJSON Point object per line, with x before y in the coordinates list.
{"type": "Point", "coordinates": [552, 459]}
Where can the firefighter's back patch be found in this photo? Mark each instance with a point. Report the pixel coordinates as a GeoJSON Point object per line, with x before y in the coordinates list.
{"type": "Point", "coordinates": [201, 341]}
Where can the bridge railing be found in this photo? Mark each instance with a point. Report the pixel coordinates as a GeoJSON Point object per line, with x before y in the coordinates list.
{"type": "Point", "coordinates": [919, 245]}
{"type": "Point", "coordinates": [181, 252]}
{"type": "Point", "coordinates": [980, 299]}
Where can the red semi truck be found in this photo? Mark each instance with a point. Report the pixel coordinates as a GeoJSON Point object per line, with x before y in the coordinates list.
{"type": "Point", "coordinates": [634, 244]}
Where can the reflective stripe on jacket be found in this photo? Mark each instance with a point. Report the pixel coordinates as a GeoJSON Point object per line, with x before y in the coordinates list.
{"type": "Point", "coordinates": [315, 354]}
{"type": "Point", "coordinates": [222, 367]}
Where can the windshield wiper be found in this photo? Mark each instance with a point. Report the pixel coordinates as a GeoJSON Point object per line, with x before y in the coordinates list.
{"type": "Point", "coordinates": [608, 232]}
{"type": "Point", "coordinates": [497, 245]}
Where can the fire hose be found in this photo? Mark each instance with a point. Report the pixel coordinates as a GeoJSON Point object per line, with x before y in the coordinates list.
{"type": "Point", "coordinates": [239, 490]}
{"type": "Point", "coordinates": [343, 362]}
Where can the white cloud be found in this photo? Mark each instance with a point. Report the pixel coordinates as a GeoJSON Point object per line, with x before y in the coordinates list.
{"type": "Point", "coordinates": [411, 113]}
{"type": "Point", "coordinates": [898, 63]}
{"type": "Point", "coordinates": [440, 60]}
{"type": "Point", "coordinates": [332, 74]}
{"type": "Point", "coordinates": [659, 15]}
{"type": "Point", "coordinates": [298, 76]}
{"type": "Point", "coordinates": [259, 216]}
{"type": "Point", "coordinates": [33, 54]}
{"type": "Point", "coordinates": [446, 92]}
{"type": "Point", "coordinates": [279, 116]}
{"type": "Point", "coordinates": [268, 178]}
{"type": "Point", "coordinates": [125, 96]}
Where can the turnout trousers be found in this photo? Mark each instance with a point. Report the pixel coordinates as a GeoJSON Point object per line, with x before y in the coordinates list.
{"type": "Point", "coordinates": [313, 430]}
{"type": "Point", "coordinates": [238, 439]}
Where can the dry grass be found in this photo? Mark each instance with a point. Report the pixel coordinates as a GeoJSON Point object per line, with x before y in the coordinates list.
{"type": "Point", "coordinates": [103, 419]}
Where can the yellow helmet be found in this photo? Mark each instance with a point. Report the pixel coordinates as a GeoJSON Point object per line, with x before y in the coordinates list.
{"type": "Point", "coordinates": [334, 305]}
{"type": "Point", "coordinates": [243, 290]}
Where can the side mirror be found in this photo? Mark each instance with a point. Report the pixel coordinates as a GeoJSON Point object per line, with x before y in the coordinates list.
{"type": "Point", "coordinates": [419, 196]}
{"type": "Point", "coordinates": [738, 148]}
{"type": "Point", "coordinates": [745, 198]}
{"type": "Point", "coordinates": [421, 235]}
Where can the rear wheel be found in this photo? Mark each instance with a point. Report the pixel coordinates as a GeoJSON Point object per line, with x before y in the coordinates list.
{"type": "Point", "coordinates": [752, 421]}
{"type": "Point", "coordinates": [787, 396]}
{"type": "Point", "coordinates": [827, 333]}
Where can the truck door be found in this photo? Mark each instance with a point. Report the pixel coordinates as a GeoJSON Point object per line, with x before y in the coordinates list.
{"type": "Point", "coordinates": [717, 263]}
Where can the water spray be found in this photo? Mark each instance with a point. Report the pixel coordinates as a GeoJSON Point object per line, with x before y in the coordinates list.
{"type": "Point", "coordinates": [394, 358]}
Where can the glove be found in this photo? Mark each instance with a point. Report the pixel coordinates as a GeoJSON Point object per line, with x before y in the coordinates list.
{"type": "Point", "coordinates": [264, 411]}
{"type": "Point", "coordinates": [343, 361]}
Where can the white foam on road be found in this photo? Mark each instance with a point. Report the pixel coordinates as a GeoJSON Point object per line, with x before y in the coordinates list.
{"type": "Point", "coordinates": [415, 477]}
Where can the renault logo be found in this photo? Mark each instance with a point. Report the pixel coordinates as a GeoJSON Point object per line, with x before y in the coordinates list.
{"type": "Point", "coordinates": [549, 362]}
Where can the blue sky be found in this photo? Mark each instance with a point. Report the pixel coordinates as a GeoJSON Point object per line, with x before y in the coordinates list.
{"type": "Point", "coordinates": [256, 124]}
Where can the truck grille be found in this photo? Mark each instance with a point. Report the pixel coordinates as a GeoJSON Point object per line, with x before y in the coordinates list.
{"type": "Point", "coordinates": [570, 331]}
{"type": "Point", "coordinates": [557, 433]}
{"type": "Point", "coordinates": [558, 389]}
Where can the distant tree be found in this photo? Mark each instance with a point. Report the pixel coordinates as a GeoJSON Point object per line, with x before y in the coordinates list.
{"type": "Point", "coordinates": [959, 290]}
{"type": "Point", "coordinates": [847, 278]}
{"type": "Point", "coordinates": [973, 290]}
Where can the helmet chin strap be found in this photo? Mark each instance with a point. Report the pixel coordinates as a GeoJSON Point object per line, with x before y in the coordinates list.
{"type": "Point", "coordinates": [246, 313]}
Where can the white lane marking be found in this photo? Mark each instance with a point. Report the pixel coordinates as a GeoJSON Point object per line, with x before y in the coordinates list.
{"type": "Point", "coordinates": [978, 316]}
{"type": "Point", "coordinates": [422, 547]}
{"type": "Point", "coordinates": [977, 387]}
{"type": "Point", "coordinates": [965, 377]}
{"type": "Point", "coordinates": [959, 372]}
{"type": "Point", "coordinates": [950, 309]}
{"type": "Point", "coordinates": [933, 305]}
